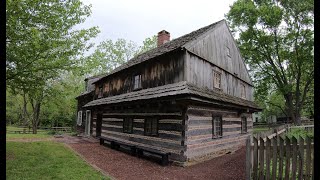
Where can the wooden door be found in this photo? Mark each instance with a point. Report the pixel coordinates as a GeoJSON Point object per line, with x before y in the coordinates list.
{"type": "Point", "coordinates": [98, 125]}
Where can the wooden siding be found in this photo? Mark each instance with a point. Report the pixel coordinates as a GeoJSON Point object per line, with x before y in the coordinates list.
{"type": "Point", "coordinates": [170, 128]}
{"type": "Point", "coordinates": [162, 70]}
{"type": "Point", "coordinates": [213, 47]}
{"type": "Point", "coordinates": [200, 73]}
{"type": "Point", "coordinates": [199, 139]}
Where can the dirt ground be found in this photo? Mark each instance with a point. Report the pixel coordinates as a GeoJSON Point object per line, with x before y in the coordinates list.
{"type": "Point", "coordinates": [121, 165]}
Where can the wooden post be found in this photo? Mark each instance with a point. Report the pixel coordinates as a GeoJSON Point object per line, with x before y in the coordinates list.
{"type": "Point", "coordinates": [268, 144]}
{"type": "Point", "coordinates": [281, 158]}
{"type": "Point", "coordinates": [261, 159]}
{"type": "Point", "coordinates": [294, 158]}
{"type": "Point", "coordinates": [248, 159]}
{"type": "Point", "coordinates": [301, 152]}
{"type": "Point", "coordinates": [286, 176]}
{"type": "Point", "coordinates": [274, 158]}
{"type": "Point", "coordinates": [308, 158]}
{"type": "Point", "coordinates": [255, 158]}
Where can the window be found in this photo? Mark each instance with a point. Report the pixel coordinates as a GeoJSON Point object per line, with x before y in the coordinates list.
{"type": "Point", "coordinates": [243, 125]}
{"type": "Point", "coordinates": [216, 127]}
{"type": "Point", "coordinates": [228, 51]}
{"type": "Point", "coordinates": [100, 94]}
{"type": "Point", "coordinates": [79, 120]}
{"type": "Point", "coordinates": [137, 81]}
{"type": "Point", "coordinates": [151, 127]}
{"type": "Point", "coordinates": [243, 91]}
{"type": "Point", "coordinates": [127, 125]}
{"type": "Point", "coordinates": [216, 79]}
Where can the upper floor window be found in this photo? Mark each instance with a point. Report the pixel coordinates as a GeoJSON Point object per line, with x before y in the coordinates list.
{"type": "Point", "coordinates": [100, 93]}
{"type": "Point", "coordinates": [216, 79]}
{"type": "Point", "coordinates": [228, 51]}
{"type": "Point", "coordinates": [242, 90]}
{"type": "Point", "coordinates": [137, 81]}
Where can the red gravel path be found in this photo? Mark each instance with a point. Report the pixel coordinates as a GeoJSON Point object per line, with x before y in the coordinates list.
{"type": "Point", "coordinates": [124, 166]}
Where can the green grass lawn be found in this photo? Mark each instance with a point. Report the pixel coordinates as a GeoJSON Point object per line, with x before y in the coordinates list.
{"type": "Point", "coordinates": [46, 160]}
{"type": "Point", "coordinates": [259, 129]}
{"type": "Point", "coordinates": [40, 133]}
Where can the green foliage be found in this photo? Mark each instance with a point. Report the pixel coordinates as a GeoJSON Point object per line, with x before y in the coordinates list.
{"type": "Point", "coordinates": [297, 132]}
{"type": "Point", "coordinates": [46, 160]}
{"type": "Point", "coordinates": [41, 44]}
{"type": "Point", "coordinates": [110, 55]}
{"type": "Point", "coordinates": [40, 41]}
{"type": "Point", "coordinates": [148, 44]}
{"type": "Point", "coordinates": [276, 39]}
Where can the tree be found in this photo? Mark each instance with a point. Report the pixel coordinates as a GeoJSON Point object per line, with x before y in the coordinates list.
{"type": "Point", "coordinates": [41, 43]}
{"type": "Point", "coordinates": [148, 44]}
{"type": "Point", "coordinates": [276, 40]}
{"type": "Point", "coordinates": [110, 55]}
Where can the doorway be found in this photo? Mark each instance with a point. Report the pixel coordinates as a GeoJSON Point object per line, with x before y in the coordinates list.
{"type": "Point", "coordinates": [88, 123]}
{"type": "Point", "coordinates": [98, 125]}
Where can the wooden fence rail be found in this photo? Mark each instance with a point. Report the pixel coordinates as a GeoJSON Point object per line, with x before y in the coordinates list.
{"type": "Point", "coordinates": [279, 158]}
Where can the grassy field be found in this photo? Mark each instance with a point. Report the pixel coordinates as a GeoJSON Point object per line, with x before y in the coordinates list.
{"type": "Point", "coordinates": [44, 160]}
{"type": "Point", "coordinates": [40, 133]}
{"type": "Point", "coordinates": [259, 129]}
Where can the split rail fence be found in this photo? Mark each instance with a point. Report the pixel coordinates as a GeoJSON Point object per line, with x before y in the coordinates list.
{"type": "Point", "coordinates": [278, 158]}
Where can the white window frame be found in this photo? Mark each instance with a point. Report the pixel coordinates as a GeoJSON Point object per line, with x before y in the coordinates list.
{"type": "Point", "coordinates": [79, 118]}
{"type": "Point", "coordinates": [88, 122]}
{"type": "Point", "coordinates": [216, 80]}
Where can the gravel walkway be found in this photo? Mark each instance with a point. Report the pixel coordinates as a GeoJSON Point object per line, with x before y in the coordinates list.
{"type": "Point", "coordinates": [124, 166]}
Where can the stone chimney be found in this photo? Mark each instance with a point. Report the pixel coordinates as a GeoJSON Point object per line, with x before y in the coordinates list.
{"type": "Point", "coordinates": [163, 37]}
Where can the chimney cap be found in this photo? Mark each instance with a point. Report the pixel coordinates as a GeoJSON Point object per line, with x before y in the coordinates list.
{"type": "Point", "coordinates": [163, 32]}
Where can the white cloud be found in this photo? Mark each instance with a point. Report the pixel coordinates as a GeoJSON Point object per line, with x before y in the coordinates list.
{"type": "Point", "coordinates": [139, 19]}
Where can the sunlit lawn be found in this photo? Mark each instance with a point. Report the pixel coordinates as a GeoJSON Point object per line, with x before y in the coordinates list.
{"type": "Point", "coordinates": [46, 160]}
{"type": "Point", "coordinates": [259, 129]}
{"type": "Point", "coordinates": [12, 135]}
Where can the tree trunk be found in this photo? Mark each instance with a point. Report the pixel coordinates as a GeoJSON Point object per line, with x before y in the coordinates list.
{"type": "Point", "coordinates": [35, 120]}
{"type": "Point", "coordinates": [24, 111]}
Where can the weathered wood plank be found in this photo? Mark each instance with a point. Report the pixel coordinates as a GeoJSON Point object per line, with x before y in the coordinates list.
{"type": "Point", "coordinates": [281, 143]}
{"type": "Point", "coordinates": [287, 171]}
{"type": "Point", "coordinates": [301, 153]}
{"type": "Point", "coordinates": [274, 157]}
{"type": "Point", "coordinates": [248, 158]}
{"type": "Point", "coordinates": [255, 158]}
{"type": "Point", "coordinates": [268, 144]}
{"type": "Point", "coordinates": [261, 159]}
{"type": "Point", "coordinates": [294, 158]}
{"type": "Point", "coordinates": [308, 157]}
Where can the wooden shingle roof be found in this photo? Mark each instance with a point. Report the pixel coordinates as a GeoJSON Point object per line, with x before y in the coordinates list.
{"type": "Point", "coordinates": [181, 88]}
{"type": "Point", "coordinates": [164, 48]}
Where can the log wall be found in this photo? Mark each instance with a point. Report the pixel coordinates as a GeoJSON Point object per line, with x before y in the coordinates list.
{"type": "Point", "coordinates": [170, 128]}
{"type": "Point", "coordinates": [199, 142]}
